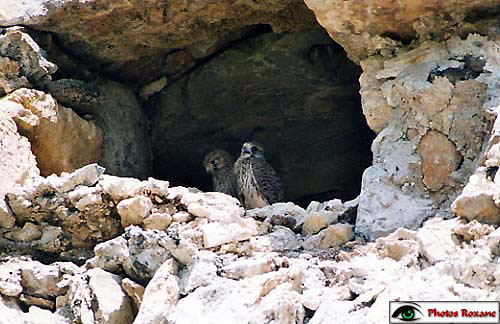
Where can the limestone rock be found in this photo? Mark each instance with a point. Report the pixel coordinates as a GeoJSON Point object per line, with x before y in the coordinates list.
{"type": "Point", "coordinates": [256, 265]}
{"type": "Point", "coordinates": [281, 214]}
{"type": "Point", "coordinates": [200, 272]}
{"type": "Point", "coordinates": [217, 233]}
{"type": "Point", "coordinates": [363, 31]}
{"type": "Point", "coordinates": [84, 214]}
{"type": "Point", "coordinates": [112, 304]}
{"type": "Point", "coordinates": [17, 165]}
{"type": "Point", "coordinates": [251, 300]}
{"type": "Point", "coordinates": [139, 252]}
{"type": "Point", "coordinates": [182, 217]}
{"type": "Point", "coordinates": [134, 210]}
{"type": "Point", "coordinates": [214, 206]}
{"type": "Point", "coordinates": [472, 231]}
{"type": "Point", "coordinates": [87, 176]}
{"type": "Point", "coordinates": [477, 200]}
{"type": "Point", "coordinates": [317, 220]}
{"type": "Point", "coordinates": [134, 291]}
{"type": "Point", "coordinates": [435, 240]}
{"type": "Point", "coordinates": [20, 47]}
{"type": "Point", "coordinates": [126, 148]}
{"type": "Point", "coordinates": [36, 301]}
{"type": "Point", "coordinates": [41, 280]}
{"type": "Point", "coordinates": [120, 188]}
{"type": "Point", "coordinates": [199, 29]}
{"type": "Point", "coordinates": [159, 221]}
{"type": "Point", "coordinates": [161, 295]}
{"type": "Point", "coordinates": [440, 159]}
{"type": "Point", "coordinates": [329, 309]}
{"type": "Point", "coordinates": [60, 139]}
{"type": "Point", "coordinates": [440, 99]}
{"type": "Point", "coordinates": [12, 313]}
{"type": "Point", "coordinates": [382, 196]}
{"type": "Point", "coordinates": [313, 286]}
{"type": "Point", "coordinates": [332, 236]}
{"type": "Point", "coordinates": [76, 94]}
{"type": "Point", "coordinates": [493, 241]}
{"type": "Point", "coordinates": [397, 245]}
{"type": "Point", "coordinates": [375, 107]}
{"type": "Point", "coordinates": [281, 239]}
{"type": "Point", "coordinates": [28, 233]}
{"type": "Point", "coordinates": [10, 78]}
{"type": "Point", "coordinates": [52, 240]}
{"type": "Point", "coordinates": [10, 279]}
{"type": "Point", "coordinates": [154, 87]}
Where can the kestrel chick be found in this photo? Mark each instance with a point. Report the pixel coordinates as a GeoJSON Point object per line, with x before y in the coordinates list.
{"type": "Point", "coordinates": [258, 183]}
{"type": "Point", "coordinates": [220, 164]}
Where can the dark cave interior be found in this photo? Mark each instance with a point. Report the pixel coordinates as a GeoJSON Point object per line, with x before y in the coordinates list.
{"type": "Point", "coordinates": [295, 92]}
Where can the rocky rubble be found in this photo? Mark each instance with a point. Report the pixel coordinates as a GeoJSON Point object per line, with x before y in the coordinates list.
{"type": "Point", "coordinates": [218, 262]}
{"type": "Point", "coordinates": [199, 239]}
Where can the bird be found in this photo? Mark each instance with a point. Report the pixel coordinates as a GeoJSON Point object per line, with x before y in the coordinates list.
{"type": "Point", "coordinates": [220, 165]}
{"type": "Point", "coordinates": [258, 183]}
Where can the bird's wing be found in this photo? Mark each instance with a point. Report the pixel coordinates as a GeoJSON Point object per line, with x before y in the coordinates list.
{"type": "Point", "coordinates": [238, 174]}
{"type": "Point", "coordinates": [268, 181]}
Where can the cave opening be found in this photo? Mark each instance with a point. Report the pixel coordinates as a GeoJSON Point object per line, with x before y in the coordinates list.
{"type": "Point", "coordinates": [297, 93]}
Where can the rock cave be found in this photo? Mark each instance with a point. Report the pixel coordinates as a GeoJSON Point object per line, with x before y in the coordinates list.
{"type": "Point", "coordinates": [295, 92]}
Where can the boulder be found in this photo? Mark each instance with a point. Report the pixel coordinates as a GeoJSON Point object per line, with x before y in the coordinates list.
{"type": "Point", "coordinates": [112, 304]}
{"type": "Point", "coordinates": [161, 295]}
{"type": "Point", "coordinates": [60, 139]}
{"type": "Point", "coordinates": [17, 165]}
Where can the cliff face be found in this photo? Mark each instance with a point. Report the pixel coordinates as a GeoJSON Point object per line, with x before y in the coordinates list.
{"type": "Point", "coordinates": [365, 28]}
{"type": "Point", "coordinates": [146, 88]}
{"type": "Point", "coordinates": [141, 41]}
{"type": "Point", "coordinates": [428, 89]}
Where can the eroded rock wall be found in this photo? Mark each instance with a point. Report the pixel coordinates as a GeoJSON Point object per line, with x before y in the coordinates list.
{"type": "Point", "coordinates": [140, 40]}
{"type": "Point", "coordinates": [432, 108]}
{"type": "Point", "coordinates": [369, 27]}
{"type": "Point", "coordinates": [429, 90]}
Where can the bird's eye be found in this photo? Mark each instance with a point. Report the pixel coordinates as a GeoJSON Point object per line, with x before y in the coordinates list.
{"type": "Point", "coordinates": [407, 313]}
{"type": "Point", "coordinates": [254, 149]}
{"type": "Point", "coordinates": [213, 162]}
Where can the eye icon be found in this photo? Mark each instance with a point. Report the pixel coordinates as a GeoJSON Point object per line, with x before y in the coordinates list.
{"type": "Point", "coordinates": [408, 312]}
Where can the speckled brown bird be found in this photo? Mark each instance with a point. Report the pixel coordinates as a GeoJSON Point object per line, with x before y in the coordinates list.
{"type": "Point", "coordinates": [258, 183]}
{"type": "Point", "coordinates": [220, 165]}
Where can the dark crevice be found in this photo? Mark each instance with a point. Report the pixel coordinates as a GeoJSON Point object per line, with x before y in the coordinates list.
{"type": "Point", "coordinates": [482, 14]}
{"type": "Point", "coordinates": [491, 172]}
{"type": "Point", "coordinates": [403, 39]}
{"type": "Point", "coordinates": [309, 313]}
{"type": "Point", "coordinates": [473, 67]}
